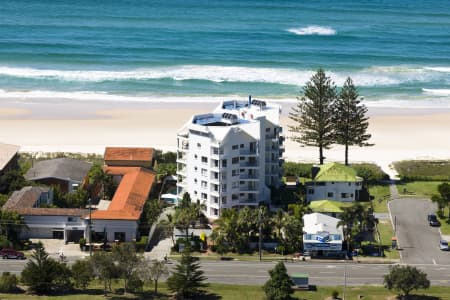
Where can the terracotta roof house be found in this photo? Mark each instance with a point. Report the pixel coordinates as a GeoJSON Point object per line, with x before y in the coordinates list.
{"type": "Point", "coordinates": [67, 173]}
{"type": "Point", "coordinates": [129, 157]}
{"type": "Point", "coordinates": [119, 220]}
{"type": "Point", "coordinates": [335, 182]}
{"type": "Point", "coordinates": [60, 223]}
{"type": "Point", "coordinates": [8, 157]}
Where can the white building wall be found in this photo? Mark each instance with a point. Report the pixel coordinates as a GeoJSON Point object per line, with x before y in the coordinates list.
{"type": "Point", "coordinates": [44, 226]}
{"type": "Point", "coordinates": [111, 227]}
{"type": "Point", "coordinates": [337, 191]}
{"type": "Point", "coordinates": [229, 166]}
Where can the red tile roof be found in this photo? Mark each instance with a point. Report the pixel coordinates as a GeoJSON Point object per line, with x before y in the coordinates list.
{"type": "Point", "coordinates": [129, 199]}
{"type": "Point", "coordinates": [128, 154]}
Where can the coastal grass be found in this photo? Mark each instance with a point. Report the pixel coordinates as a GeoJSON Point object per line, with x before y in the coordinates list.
{"type": "Point", "coordinates": [418, 188]}
{"type": "Point", "coordinates": [233, 291]}
{"type": "Point", "coordinates": [423, 169]}
{"type": "Point", "coordinates": [445, 222]}
{"type": "Point", "coordinates": [381, 195]}
{"type": "Point", "coordinates": [386, 234]}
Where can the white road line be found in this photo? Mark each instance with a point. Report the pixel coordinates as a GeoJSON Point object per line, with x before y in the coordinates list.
{"type": "Point", "coordinates": [434, 262]}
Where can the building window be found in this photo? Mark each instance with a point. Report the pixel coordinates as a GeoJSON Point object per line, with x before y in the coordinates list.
{"type": "Point", "coordinates": [235, 172]}
{"type": "Point", "coordinates": [216, 200]}
{"type": "Point", "coordinates": [195, 180]}
{"type": "Point", "coordinates": [242, 145]}
{"type": "Point", "coordinates": [234, 197]}
{"type": "Point", "coordinates": [242, 158]}
{"type": "Point", "coordinates": [235, 185]}
{"type": "Point", "coordinates": [267, 129]}
{"type": "Point", "coordinates": [204, 196]}
{"type": "Point", "coordinates": [235, 160]}
{"type": "Point", "coordinates": [241, 182]}
{"type": "Point", "coordinates": [224, 187]}
{"type": "Point", "coordinates": [195, 156]}
{"type": "Point", "coordinates": [234, 147]}
{"type": "Point", "coordinates": [224, 163]}
{"type": "Point", "coordinates": [332, 182]}
{"type": "Point", "coordinates": [195, 192]}
{"type": "Point", "coordinates": [330, 194]}
{"type": "Point", "coordinates": [224, 200]}
{"type": "Point", "coordinates": [195, 169]}
{"type": "Point", "coordinates": [344, 195]}
{"type": "Point", "coordinates": [204, 184]}
{"type": "Point", "coordinates": [310, 191]}
{"type": "Point", "coordinates": [349, 184]}
{"type": "Point", "coordinates": [204, 159]}
{"type": "Point", "coordinates": [215, 211]}
{"type": "Point", "coordinates": [199, 145]}
{"type": "Point", "coordinates": [119, 236]}
{"type": "Point", "coordinates": [204, 172]}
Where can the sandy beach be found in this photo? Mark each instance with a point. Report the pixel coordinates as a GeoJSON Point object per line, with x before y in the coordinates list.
{"type": "Point", "coordinates": [398, 133]}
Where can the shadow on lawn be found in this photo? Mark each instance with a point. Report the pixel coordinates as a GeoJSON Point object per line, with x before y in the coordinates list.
{"type": "Point", "coordinates": [421, 297]}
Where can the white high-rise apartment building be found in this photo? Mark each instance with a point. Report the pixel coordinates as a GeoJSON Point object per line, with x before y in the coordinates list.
{"type": "Point", "coordinates": [230, 157]}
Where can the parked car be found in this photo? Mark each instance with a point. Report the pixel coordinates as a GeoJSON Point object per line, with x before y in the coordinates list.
{"type": "Point", "coordinates": [433, 221]}
{"type": "Point", "coordinates": [11, 253]}
{"type": "Point", "coordinates": [443, 245]}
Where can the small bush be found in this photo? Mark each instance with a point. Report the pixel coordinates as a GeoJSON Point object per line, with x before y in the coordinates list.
{"type": "Point", "coordinates": [4, 243]}
{"type": "Point", "coordinates": [8, 282]}
{"type": "Point", "coordinates": [370, 172]}
{"type": "Point", "coordinates": [135, 284]}
{"type": "Point", "coordinates": [141, 244]}
{"type": "Point", "coordinates": [334, 294]}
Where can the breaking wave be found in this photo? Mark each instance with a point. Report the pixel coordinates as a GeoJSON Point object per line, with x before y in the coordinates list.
{"type": "Point", "coordinates": [313, 30]}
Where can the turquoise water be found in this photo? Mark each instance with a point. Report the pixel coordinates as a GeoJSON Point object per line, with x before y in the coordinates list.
{"type": "Point", "coordinates": [397, 52]}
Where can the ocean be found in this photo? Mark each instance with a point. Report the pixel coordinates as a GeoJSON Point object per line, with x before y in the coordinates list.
{"type": "Point", "coordinates": [396, 52]}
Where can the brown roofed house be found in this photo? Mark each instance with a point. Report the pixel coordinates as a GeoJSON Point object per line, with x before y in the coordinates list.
{"type": "Point", "coordinates": [129, 157]}
{"type": "Point", "coordinates": [8, 157]}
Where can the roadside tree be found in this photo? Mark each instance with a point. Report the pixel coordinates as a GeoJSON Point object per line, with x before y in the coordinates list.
{"type": "Point", "coordinates": [153, 270]}
{"type": "Point", "coordinates": [127, 261]}
{"type": "Point", "coordinates": [44, 275]}
{"type": "Point", "coordinates": [279, 286]}
{"type": "Point", "coordinates": [350, 120]}
{"type": "Point", "coordinates": [406, 279]}
{"type": "Point", "coordinates": [187, 279]}
{"type": "Point", "coordinates": [82, 273]}
{"type": "Point", "coordinates": [313, 114]}
{"type": "Point", "coordinates": [104, 269]}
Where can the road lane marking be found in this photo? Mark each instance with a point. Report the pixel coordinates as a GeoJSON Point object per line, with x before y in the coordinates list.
{"type": "Point", "coordinates": [434, 262]}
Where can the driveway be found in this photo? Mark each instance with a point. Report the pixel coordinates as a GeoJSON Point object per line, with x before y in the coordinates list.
{"type": "Point", "coordinates": [419, 241]}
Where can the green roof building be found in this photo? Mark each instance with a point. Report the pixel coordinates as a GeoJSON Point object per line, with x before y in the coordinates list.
{"type": "Point", "coordinates": [335, 182]}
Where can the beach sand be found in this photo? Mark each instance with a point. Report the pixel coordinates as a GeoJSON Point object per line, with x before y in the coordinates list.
{"type": "Point", "coordinates": [398, 133]}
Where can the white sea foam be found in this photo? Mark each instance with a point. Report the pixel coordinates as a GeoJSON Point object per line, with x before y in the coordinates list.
{"type": "Point", "coordinates": [313, 30]}
{"type": "Point", "coordinates": [439, 69]}
{"type": "Point", "coordinates": [366, 77]}
{"type": "Point", "coordinates": [437, 92]}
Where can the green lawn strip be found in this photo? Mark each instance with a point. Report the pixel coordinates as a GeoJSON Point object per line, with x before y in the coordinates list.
{"type": "Point", "coordinates": [234, 256]}
{"type": "Point", "coordinates": [386, 233]}
{"type": "Point", "coordinates": [232, 291]}
{"type": "Point", "coordinates": [423, 169]}
{"type": "Point", "coordinates": [445, 223]}
{"type": "Point", "coordinates": [381, 195]}
{"type": "Point", "coordinates": [418, 188]}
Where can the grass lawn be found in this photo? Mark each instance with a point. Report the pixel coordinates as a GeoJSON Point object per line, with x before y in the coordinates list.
{"type": "Point", "coordinates": [386, 233]}
{"type": "Point", "coordinates": [381, 195]}
{"type": "Point", "coordinates": [423, 169]}
{"type": "Point", "coordinates": [418, 188]}
{"type": "Point", "coordinates": [231, 292]}
{"type": "Point", "coordinates": [445, 223]}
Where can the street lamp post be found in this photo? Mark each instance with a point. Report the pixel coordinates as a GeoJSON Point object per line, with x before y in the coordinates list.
{"type": "Point", "coordinates": [90, 226]}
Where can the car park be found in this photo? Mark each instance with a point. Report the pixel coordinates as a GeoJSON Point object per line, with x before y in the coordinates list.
{"type": "Point", "coordinates": [432, 220]}
{"type": "Point", "coordinates": [443, 245]}
{"type": "Point", "coordinates": [7, 253]}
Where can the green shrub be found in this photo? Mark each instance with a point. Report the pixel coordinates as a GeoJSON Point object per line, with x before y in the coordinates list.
{"type": "Point", "coordinates": [334, 294]}
{"type": "Point", "coordinates": [370, 172]}
{"type": "Point", "coordinates": [423, 170]}
{"type": "Point", "coordinates": [4, 243]}
{"type": "Point", "coordinates": [8, 282]}
{"type": "Point", "coordinates": [141, 244]}
{"type": "Point", "coordinates": [297, 169]}
{"type": "Point", "coordinates": [135, 284]}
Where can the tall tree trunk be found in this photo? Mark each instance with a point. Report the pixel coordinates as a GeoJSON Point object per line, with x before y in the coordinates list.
{"type": "Point", "coordinates": [346, 154]}
{"type": "Point", "coordinates": [156, 286]}
{"type": "Point", "coordinates": [321, 154]}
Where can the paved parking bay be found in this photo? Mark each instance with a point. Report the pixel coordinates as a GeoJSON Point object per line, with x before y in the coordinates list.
{"type": "Point", "coordinates": [419, 241]}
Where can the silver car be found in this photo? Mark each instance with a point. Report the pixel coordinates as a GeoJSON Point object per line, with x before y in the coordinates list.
{"type": "Point", "coordinates": [443, 245]}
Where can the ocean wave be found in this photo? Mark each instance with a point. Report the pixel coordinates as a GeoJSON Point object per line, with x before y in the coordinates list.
{"type": "Point", "coordinates": [439, 69]}
{"type": "Point", "coordinates": [365, 77]}
{"type": "Point", "coordinates": [313, 30]}
{"type": "Point", "coordinates": [437, 92]}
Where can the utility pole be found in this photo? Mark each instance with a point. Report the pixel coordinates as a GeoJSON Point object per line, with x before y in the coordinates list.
{"type": "Point", "coordinates": [90, 226]}
{"type": "Point", "coordinates": [260, 234]}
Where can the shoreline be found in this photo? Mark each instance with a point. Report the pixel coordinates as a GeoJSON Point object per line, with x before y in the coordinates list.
{"type": "Point", "coordinates": [85, 127]}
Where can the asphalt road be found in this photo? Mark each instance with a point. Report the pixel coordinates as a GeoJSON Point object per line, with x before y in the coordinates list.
{"type": "Point", "coordinates": [419, 242]}
{"type": "Point", "coordinates": [322, 274]}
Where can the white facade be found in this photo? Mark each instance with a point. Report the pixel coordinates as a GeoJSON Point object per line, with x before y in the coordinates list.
{"type": "Point", "coordinates": [67, 228]}
{"type": "Point", "coordinates": [333, 190]}
{"type": "Point", "coordinates": [230, 157]}
{"type": "Point", "coordinates": [321, 235]}
{"type": "Point", "coordinates": [116, 230]}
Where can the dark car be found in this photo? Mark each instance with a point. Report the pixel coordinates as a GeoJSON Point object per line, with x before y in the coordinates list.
{"type": "Point", "coordinates": [433, 221]}
{"type": "Point", "coordinates": [11, 253]}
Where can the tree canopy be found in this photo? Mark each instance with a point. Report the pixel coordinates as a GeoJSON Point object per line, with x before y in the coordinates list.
{"type": "Point", "coordinates": [279, 286]}
{"type": "Point", "coordinates": [406, 279]}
